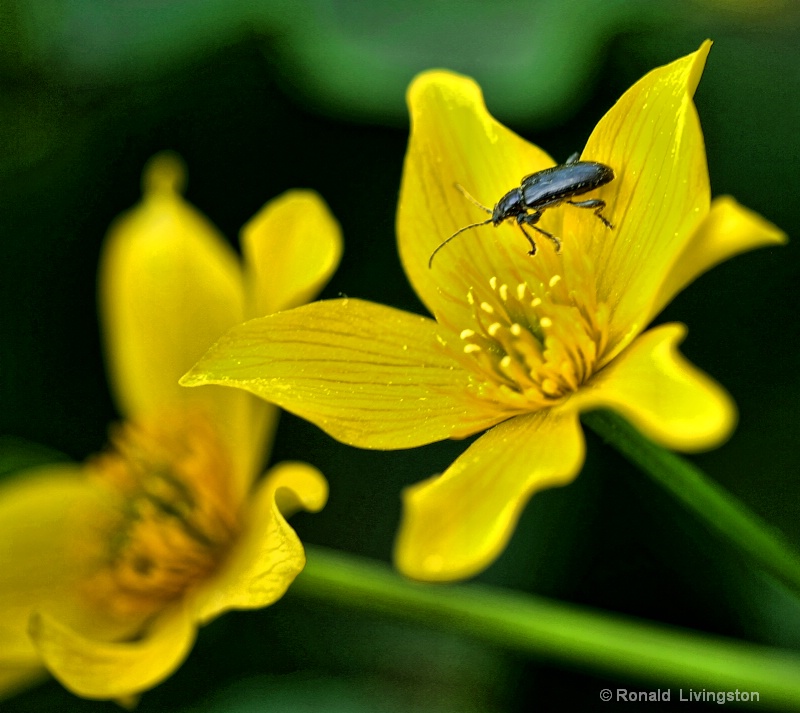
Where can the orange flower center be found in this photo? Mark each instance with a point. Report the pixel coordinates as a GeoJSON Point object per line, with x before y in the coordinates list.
{"type": "Point", "coordinates": [175, 518]}
{"type": "Point", "coordinates": [533, 341]}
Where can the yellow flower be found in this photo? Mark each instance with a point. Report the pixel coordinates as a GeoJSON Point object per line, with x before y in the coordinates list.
{"type": "Point", "coordinates": [107, 570]}
{"type": "Point", "coordinates": [520, 345]}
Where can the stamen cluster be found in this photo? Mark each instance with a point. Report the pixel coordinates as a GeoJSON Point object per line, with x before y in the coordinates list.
{"type": "Point", "coordinates": [532, 343]}
{"type": "Point", "coordinates": [175, 519]}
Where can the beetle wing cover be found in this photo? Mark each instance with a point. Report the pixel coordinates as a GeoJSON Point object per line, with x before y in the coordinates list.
{"type": "Point", "coordinates": [561, 182]}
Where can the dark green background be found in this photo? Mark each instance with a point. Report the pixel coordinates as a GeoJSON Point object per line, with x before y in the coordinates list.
{"type": "Point", "coordinates": [262, 97]}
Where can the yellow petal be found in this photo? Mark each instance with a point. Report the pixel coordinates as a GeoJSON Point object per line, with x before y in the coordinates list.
{"type": "Point", "coordinates": [169, 286]}
{"type": "Point", "coordinates": [453, 140]}
{"type": "Point", "coordinates": [268, 555]}
{"type": "Point", "coordinates": [370, 376]}
{"type": "Point", "coordinates": [43, 524]}
{"type": "Point", "coordinates": [728, 229]}
{"type": "Point", "coordinates": [101, 670]}
{"type": "Point", "coordinates": [652, 139]}
{"type": "Point", "coordinates": [667, 398]}
{"type": "Point", "coordinates": [291, 248]}
{"type": "Point", "coordinates": [456, 524]}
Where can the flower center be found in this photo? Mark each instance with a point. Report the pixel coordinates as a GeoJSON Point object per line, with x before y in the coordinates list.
{"type": "Point", "coordinates": [533, 342]}
{"type": "Point", "coordinates": [175, 517]}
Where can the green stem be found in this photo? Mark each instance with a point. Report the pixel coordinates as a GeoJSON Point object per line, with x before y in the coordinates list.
{"type": "Point", "coordinates": [558, 632]}
{"type": "Point", "coordinates": [717, 508]}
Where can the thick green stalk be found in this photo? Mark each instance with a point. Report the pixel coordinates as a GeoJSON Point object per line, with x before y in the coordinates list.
{"type": "Point", "coordinates": [564, 633]}
{"type": "Point", "coordinates": [717, 508]}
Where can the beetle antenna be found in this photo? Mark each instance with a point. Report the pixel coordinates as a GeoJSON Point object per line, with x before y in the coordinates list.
{"type": "Point", "coordinates": [466, 195]}
{"type": "Point", "coordinates": [458, 232]}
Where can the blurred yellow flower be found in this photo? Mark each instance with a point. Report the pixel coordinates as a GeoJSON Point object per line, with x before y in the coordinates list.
{"type": "Point", "coordinates": [107, 569]}
{"type": "Point", "coordinates": [520, 345]}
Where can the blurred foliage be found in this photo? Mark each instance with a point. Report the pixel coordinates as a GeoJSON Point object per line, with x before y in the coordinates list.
{"type": "Point", "coordinates": [261, 97]}
{"type": "Point", "coordinates": [349, 58]}
{"type": "Point", "coordinates": [343, 56]}
{"type": "Point", "coordinates": [17, 454]}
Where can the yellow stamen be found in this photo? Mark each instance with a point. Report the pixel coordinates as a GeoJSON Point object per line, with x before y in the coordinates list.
{"type": "Point", "coordinates": [537, 343]}
{"type": "Point", "coordinates": [176, 517]}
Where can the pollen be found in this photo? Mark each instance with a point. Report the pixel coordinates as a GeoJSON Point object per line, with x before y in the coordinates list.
{"type": "Point", "coordinates": [175, 515]}
{"type": "Point", "coordinates": [533, 340]}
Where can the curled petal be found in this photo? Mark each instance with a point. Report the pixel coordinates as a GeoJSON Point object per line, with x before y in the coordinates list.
{"type": "Point", "coordinates": [728, 229]}
{"type": "Point", "coordinates": [297, 486]}
{"type": "Point", "coordinates": [291, 248]}
{"type": "Point", "coordinates": [268, 555]}
{"type": "Point", "coordinates": [370, 376]}
{"type": "Point", "coordinates": [662, 394]}
{"type": "Point", "coordinates": [456, 524]}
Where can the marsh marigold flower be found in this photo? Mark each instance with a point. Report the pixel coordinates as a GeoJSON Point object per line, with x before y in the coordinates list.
{"type": "Point", "coordinates": [107, 570]}
{"type": "Point", "coordinates": [520, 345]}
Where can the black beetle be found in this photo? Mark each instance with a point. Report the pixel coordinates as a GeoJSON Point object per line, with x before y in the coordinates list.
{"type": "Point", "coordinates": [544, 189]}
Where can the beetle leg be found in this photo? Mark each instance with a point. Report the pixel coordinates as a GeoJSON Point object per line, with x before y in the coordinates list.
{"type": "Point", "coordinates": [598, 205]}
{"type": "Point", "coordinates": [573, 159]}
{"type": "Point", "coordinates": [530, 219]}
{"type": "Point", "coordinates": [532, 251]}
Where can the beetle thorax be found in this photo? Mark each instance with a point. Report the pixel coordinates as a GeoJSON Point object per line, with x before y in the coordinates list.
{"type": "Point", "coordinates": [508, 206]}
{"type": "Point", "coordinates": [531, 344]}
